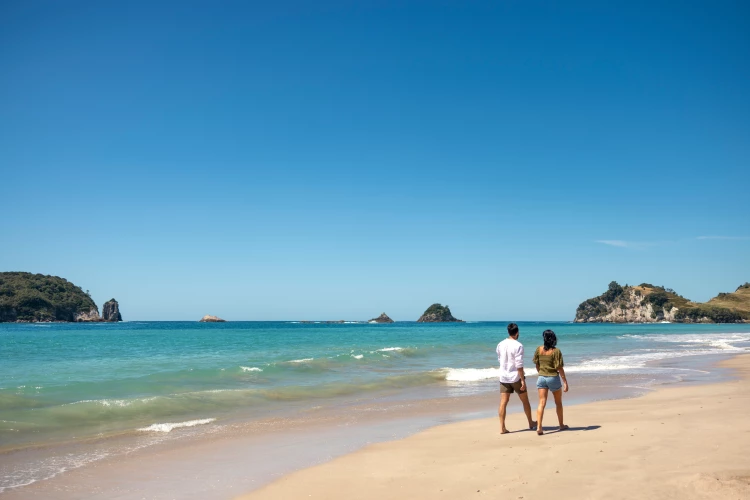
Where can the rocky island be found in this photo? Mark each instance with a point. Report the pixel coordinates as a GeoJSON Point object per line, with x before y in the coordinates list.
{"type": "Point", "coordinates": [111, 311]}
{"type": "Point", "coordinates": [27, 297]}
{"type": "Point", "coordinates": [437, 313]}
{"type": "Point", "coordinates": [647, 303]}
{"type": "Point", "coordinates": [211, 319]}
{"type": "Point", "coordinates": [383, 318]}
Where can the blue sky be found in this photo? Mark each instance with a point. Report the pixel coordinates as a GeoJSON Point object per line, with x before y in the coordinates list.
{"type": "Point", "coordinates": [341, 159]}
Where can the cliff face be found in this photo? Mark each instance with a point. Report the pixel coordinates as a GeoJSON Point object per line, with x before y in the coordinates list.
{"type": "Point", "coordinates": [628, 308]}
{"type": "Point", "coordinates": [383, 318]}
{"type": "Point", "coordinates": [437, 313]}
{"type": "Point", "coordinates": [90, 316]}
{"type": "Point", "coordinates": [647, 303]}
{"type": "Point", "coordinates": [111, 311]}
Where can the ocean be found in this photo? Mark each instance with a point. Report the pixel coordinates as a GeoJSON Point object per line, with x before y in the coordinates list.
{"type": "Point", "coordinates": [72, 394]}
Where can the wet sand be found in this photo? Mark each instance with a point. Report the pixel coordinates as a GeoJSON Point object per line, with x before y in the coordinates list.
{"type": "Point", "coordinates": [686, 442]}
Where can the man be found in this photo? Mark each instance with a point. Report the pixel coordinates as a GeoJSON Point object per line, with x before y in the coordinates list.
{"type": "Point", "coordinates": [512, 378]}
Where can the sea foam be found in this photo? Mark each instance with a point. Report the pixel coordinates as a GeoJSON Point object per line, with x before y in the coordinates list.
{"type": "Point", "coordinates": [168, 426]}
{"type": "Point", "coordinates": [251, 369]}
{"type": "Point", "coordinates": [470, 374]}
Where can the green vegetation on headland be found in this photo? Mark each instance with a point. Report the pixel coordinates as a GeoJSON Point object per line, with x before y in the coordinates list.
{"type": "Point", "coordinates": [438, 313]}
{"type": "Point", "coordinates": [28, 297]}
{"type": "Point", "coordinates": [647, 303]}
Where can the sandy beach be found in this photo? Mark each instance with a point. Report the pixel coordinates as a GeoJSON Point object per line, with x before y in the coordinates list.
{"type": "Point", "coordinates": [676, 442]}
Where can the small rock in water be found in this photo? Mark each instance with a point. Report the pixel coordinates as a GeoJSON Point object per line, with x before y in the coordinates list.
{"type": "Point", "coordinates": [211, 319]}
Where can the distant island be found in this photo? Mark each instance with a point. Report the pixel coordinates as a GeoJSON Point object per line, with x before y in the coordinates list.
{"type": "Point", "coordinates": [647, 303]}
{"type": "Point", "coordinates": [438, 313]}
{"type": "Point", "coordinates": [27, 297]}
{"type": "Point", "coordinates": [383, 318]}
{"type": "Point", "coordinates": [211, 319]}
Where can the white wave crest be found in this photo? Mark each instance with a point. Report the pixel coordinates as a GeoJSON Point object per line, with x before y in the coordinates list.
{"type": "Point", "coordinates": [387, 349]}
{"type": "Point", "coordinates": [103, 402]}
{"type": "Point", "coordinates": [251, 369]}
{"type": "Point", "coordinates": [358, 356]}
{"type": "Point", "coordinates": [477, 374]}
{"type": "Point", "coordinates": [470, 374]}
{"type": "Point", "coordinates": [305, 360]}
{"type": "Point", "coordinates": [168, 426]}
{"type": "Point", "coordinates": [724, 341]}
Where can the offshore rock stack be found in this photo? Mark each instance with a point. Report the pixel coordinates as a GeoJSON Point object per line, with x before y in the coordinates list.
{"type": "Point", "coordinates": [383, 318]}
{"type": "Point", "coordinates": [111, 311]}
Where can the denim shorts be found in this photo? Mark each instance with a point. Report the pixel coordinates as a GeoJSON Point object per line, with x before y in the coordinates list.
{"type": "Point", "coordinates": [554, 384]}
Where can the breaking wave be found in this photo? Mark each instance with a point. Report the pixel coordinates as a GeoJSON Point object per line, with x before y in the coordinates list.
{"type": "Point", "coordinates": [169, 426]}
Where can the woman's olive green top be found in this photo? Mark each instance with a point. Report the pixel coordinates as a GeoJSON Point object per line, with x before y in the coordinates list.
{"type": "Point", "coordinates": [548, 363]}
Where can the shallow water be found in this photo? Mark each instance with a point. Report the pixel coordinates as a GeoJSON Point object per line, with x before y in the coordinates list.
{"type": "Point", "coordinates": [132, 385]}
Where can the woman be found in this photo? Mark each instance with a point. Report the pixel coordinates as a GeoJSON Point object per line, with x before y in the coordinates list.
{"type": "Point", "coordinates": [549, 364]}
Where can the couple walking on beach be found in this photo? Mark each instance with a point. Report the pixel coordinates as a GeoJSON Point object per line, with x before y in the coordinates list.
{"type": "Point", "coordinates": [549, 364]}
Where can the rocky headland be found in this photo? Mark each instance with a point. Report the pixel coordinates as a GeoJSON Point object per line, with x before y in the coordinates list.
{"type": "Point", "coordinates": [383, 318]}
{"type": "Point", "coordinates": [438, 313]}
{"type": "Point", "coordinates": [648, 303]}
{"type": "Point", "coordinates": [211, 319]}
{"type": "Point", "coordinates": [27, 297]}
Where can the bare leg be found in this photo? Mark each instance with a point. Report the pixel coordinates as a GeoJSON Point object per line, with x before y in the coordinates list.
{"type": "Point", "coordinates": [559, 407]}
{"type": "Point", "coordinates": [527, 408]}
{"type": "Point", "coordinates": [540, 410]}
{"type": "Point", "coordinates": [504, 398]}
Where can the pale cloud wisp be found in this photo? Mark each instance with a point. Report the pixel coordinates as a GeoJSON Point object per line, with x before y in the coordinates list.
{"type": "Point", "coordinates": [723, 238]}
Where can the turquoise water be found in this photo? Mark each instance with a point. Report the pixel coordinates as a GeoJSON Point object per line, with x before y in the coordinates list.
{"type": "Point", "coordinates": [101, 378]}
{"type": "Point", "coordinates": [68, 382]}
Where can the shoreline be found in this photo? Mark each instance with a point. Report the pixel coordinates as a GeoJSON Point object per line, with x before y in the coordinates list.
{"type": "Point", "coordinates": [669, 443]}
{"type": "Point", "coordinates": [248, 458]}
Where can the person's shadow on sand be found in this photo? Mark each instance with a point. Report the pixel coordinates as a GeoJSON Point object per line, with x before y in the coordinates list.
{"type": "Point", "coordinates": [555, 429]}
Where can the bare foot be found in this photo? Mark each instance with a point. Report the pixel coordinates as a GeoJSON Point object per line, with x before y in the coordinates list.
{"type": "Point", "coordinates": [564, 427]}
{"type": "Point", "coordinates": [504, 431]}
{"type": "Point", "coordinates": [532, 426]}
{"type": "Point", "coordinates": [539, 432]}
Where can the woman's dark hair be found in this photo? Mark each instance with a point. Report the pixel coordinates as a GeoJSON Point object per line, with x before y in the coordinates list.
{"type": "Point", "coordinates": [512, 329]}
{"type": "Point", "coordinates": [550, 339]}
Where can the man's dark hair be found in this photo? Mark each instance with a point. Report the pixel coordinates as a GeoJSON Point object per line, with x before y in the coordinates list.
{"type": "Point", "coordinates": [512, 329]}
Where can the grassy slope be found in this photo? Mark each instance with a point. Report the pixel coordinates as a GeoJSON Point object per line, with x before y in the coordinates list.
{"type": "Point", "coordinates": [739, 300]}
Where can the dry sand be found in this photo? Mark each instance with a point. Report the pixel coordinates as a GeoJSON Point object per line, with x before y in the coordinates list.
{"type": "Point", "coordinates": [690, 442]}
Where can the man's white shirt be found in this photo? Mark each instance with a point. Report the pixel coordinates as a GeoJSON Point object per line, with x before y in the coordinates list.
{"type": "Point", "coordinates": [510, 357]}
